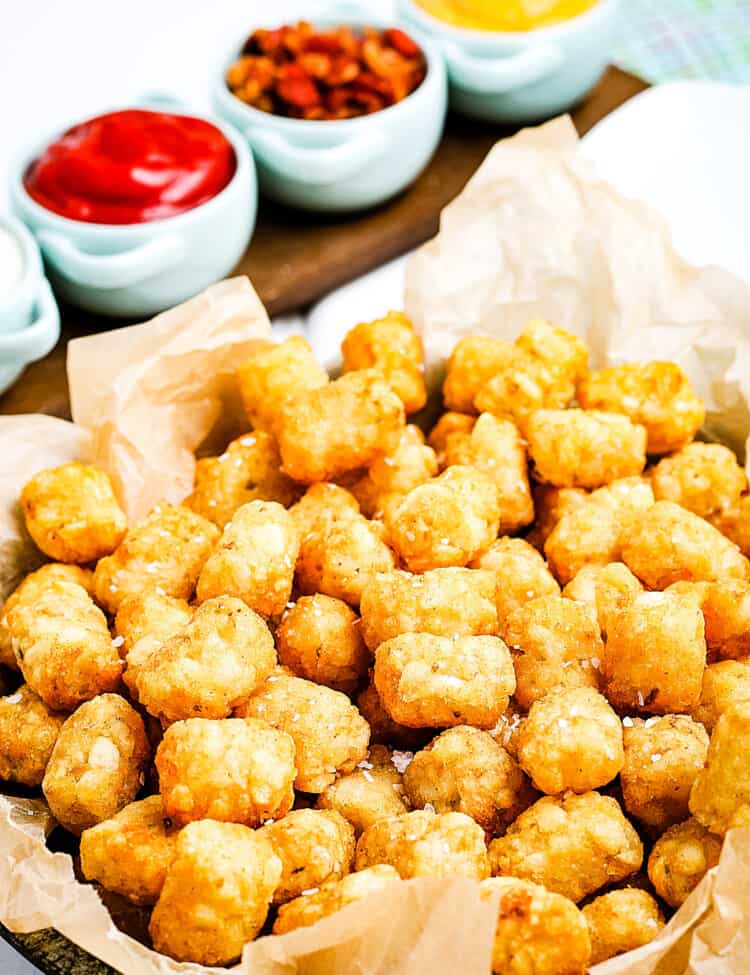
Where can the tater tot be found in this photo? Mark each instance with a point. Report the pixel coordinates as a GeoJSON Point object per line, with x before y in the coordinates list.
{"type": "Point", "coordinates": [166, 551]}
{"type": "Point", "coordinates": [333, 896]}
{"type": "Point", "coordinates": [248, 470]}
{"type": "Point", "coordinates": [571, 740]}
{"type": "Point", "coordinates": [339, 428]}
{"type": "Point", "coordinates": [444, 602]}
{"type": "Point", "coordinates": [734, 523]}
{"type": "Point", "coordinates": [474, 361]}
{"type": "Point", "coordinates": [556, 643]}
{"type": "Point", "coordinates": [72, 514]}
{"type": "Point", "coordinates": [573, 448]}
{"type": "Point", "coordinates": [605, 588]}
{"type": "Point", "coordinates": [427, 681]}
{"type": "Point", "coordinates": [373, 791]}
{"type": "Point", "coordinates": [130, 853]}
{"type": "Point", "coordinates": [573, 845]}
{"type": "Point", "coordinates": [320, 638]}
{"type": "Point", "coordinates": [662, 758]}
{"type": "Point", "coordinates": [426, 844]}
{"type": "Point", "coordinates": [495, 447]}
{"type": "Point", "coordinates": [390, 476]}
{"type": "Point", "coordinates": [97, 764]}
{"type": "Point", "coordinates": [725, 684]}
{"type": "Point", "coordinates": [254, 559]}
{"type": "Point", "coordinates": [209, 667]}
{"type": "Point", "coordinates": [655, 654]}
{"type": "Point", "coordinates": [621, 921]}
{"type": "Point", "coordinates": [314, 846]}
{"type": "Point", "coordinates": [538, 932]}
{"type": "Point", "coordinates": [726, 610]}
{"type": "Point", "coordinates": [446, 427]}
{"type": "Point", "coordinates": [216, 893]}
{"type": "Point", "coordinates": [150, 614]}
{"type": "Point", "coordinates": [447, 521]}
{"type": "Point", "coordinates": [466, 770]}
{"type": "Point", "coordinates": [550, 505]}
{"type": "Point", "coordinates": [329, 733]}
{"type": "Point", "coordinates": [668, 544]}
{"type": "Point", "coordinates": [552, 344]}
{"type": "Point", "coordinates": [28, 732]}
{"type": "Point", "coordinates": [271, 376]}
{"type": "Point", "coordinates": [383, 729]}
{"type": "Point", "coordinates": [392, 347]}
{"type": "Point", "coordinates": [507, 730]}
{"type": "Point", "coordinates": [722, 788]}
{"type": "Point", "coordinates": [657, 395]}
{"type": "Point", "coordinates": [62, 644]}
{"type": "Point", "coordinates": [680, 859]}
{"type": "Point", "coordinates": [320, 503]}
{"type": "Point", "coordinates": [235, 770]}
{"type": "Point", "coordinates": [520, 572]}
{"type": "Point", "coordinates": [705, 478]}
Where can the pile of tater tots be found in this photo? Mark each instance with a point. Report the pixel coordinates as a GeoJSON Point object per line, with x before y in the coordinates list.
{"type": "Point", "coordinates": [515, 648]}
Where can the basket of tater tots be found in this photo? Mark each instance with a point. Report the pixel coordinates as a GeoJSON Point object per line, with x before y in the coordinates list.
{"type": "Point", "coordinates": [439, 663]}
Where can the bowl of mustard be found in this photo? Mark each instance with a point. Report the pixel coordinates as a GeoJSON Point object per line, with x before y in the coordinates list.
{"type": "Point", "coordinates": [517, 60]}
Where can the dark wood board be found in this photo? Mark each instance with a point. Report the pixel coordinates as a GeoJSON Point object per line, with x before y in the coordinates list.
{"type": "Point", "coordinates": [296, 258]}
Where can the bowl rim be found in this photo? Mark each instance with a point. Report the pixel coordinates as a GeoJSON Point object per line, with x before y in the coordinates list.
{"type": "Point", "coordinates": [244, 169]}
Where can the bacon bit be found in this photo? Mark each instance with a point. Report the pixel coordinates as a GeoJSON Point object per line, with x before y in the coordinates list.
{"type": "Point", "coordinates": [297, 87]}
{"type": "Point", "coordinates": [401, 42]}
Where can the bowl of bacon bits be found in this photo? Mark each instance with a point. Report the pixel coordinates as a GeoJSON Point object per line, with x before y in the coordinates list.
{"type": "Point", "coordinates": [339, 117]}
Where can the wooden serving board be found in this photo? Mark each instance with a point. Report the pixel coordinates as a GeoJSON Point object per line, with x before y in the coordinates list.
{"type": "Point", "coordinates": [296, 258]}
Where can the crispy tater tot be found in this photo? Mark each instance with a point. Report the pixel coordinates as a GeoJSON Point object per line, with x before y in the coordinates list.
{"type": "Point", "coordinates": [62, 644]}
{"type": "Point", "coordinates": [466, 770]}
{"type": "Point", "coordinates": [72, 514]}
{"type": "Point", "coordinates": [235, 770]}
{"type": "Point", "coordinates": [339, 428]}
{"type": "Point", "coordinates": [320, 638]}
{"type": "Point", "coordinates": [449, 424]}
{"type": "Point", "coordinates": [209, 667]}
{"type": "Point", "coordinates": [538, 932]}
{"type": "Point", "coordinates": [333, 896]}
{"type": "Point", "coordinates": [725, 684]}
{"type": "Point", "coordinates": [150, 614]}
{"type": "Point", "coordinates": [269, 377]}
{"type": "Point", "coordinates": [726, 610]}
{"type": "Point", "coordinates": [427, 681]}
{"type": "Point", "coordinates": [520, 574]}
{"type": "Point", "coordinates": [571, 739]}
{"type": "Point", "coordinates": [444, 602]}
{"type": "Point", "coordinates": [320, 503]}
{"type": "Point", "coordinates": [657, 395]}
{"type": "Point", "coordinates": [392, 347]}
{"type": "Point", "coordinates": [165, 551]}
{"type": "Point", "coordinates": [556, 643]}
{"type": "Point", "coordinates": [662, 758]}
{"type": "Point", "coordinates": [668, 544]}
{"type": "Point", "coordinates": [621, 921]}
{"type": "Point", "coordinates": [655, 654]}
{"type": "Point", "coordinates": [474, 361]}
{"type": "Point", "coordinates": [248, 470]}
{"type": "Point", "coordinates": [447, 521]}
{"type": "Point", "coordinates": [550, 505]}
{"type": "Point", "coordinates": [605, 588]}
{"type": "Point", "coordinates": [254, 559]}
{"type": "Point", "coordinates": [314, 846]}
{"type": "Point", "coordinates": [495, 447]}
{"type": "Point", "coordinates": [507, 730]}
{"type": "Point", "coordinates": [722, 788]}
{"type": "Point", "coordinates": [28, 732]}
{"type": "Point", "coordinates": [426, 844]}
{"type": "Point", "coordinates": [97, 764]}
{"type": "Point", "coordinates": [216, 893]}
{"type": "Point", "coordinates": [393, 475]}
{"type": "Point", "coordinates": [383, 729]}
{"type": "Point", "coordinates": [705, 478]}
{"type": "Point", "coordinates": [734, 523]}
{"type": "Point", "coordinates": [329, 733]}
{"type": "Point", "coordinates": [573, 845]}
{"type": "Point", "coordinates": [130, 853]}
{"type": "Point", "coordinates": [680, 859]}
{"type": "Point", "coordinates": [373, 791]}
{"type": "Point", "coordinates": [573, 448]}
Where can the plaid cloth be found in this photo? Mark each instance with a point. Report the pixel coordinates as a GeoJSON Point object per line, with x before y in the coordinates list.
{"type": "Point", "coordinates": [663, 40]}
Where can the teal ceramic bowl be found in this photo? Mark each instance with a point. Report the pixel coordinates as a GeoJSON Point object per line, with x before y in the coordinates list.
{"type": "Point", "coordinates": [136, 270]}
{"type": "Point", "coordinates": [343, 165]}
{"type": "Point", "coordinates": [520, 76]}
{"type": "Point", "coordinates": [29, 319]}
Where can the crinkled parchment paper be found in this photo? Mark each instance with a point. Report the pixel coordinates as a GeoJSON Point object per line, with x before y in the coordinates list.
{"type": "Point", "coordinates": [534, 233]}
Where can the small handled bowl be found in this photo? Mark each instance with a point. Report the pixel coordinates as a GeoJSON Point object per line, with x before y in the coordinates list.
{"type": "Point", "coordinates": [136, 270]}
{"type": "Point", "coordinates": [520, 76]}
{"type": "Point", "coordinates": [29, 319]}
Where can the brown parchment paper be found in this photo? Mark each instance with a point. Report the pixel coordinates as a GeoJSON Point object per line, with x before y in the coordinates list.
{"type": "Point", "coordinates": [535, 232]}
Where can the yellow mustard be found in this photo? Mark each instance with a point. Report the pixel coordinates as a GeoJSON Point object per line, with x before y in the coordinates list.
{"type": "Point", "coordinates": [504, 15]}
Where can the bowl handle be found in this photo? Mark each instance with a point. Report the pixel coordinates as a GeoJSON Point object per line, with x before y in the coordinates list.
{"type": "Point", "coordinates": [111, 270]}
{"type": "Point", "coordinates": [39, 338]}
{"type": "Point", "coordinates": [311, 164]}
{"type": "Point", "coordinates": [493, 76]}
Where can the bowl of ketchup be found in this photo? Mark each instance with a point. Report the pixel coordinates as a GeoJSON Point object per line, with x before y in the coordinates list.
{"type": "Point", "coordinates": [137, 209]}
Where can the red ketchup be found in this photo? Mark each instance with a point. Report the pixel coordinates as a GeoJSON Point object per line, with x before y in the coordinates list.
{"type": "Point", "coordinates": [131, 167]}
